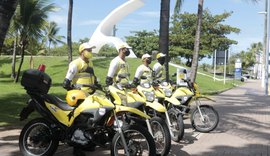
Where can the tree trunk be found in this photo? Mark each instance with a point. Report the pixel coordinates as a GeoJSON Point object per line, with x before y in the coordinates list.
{"type": "Point", "coordinates": [13, 65]}
{"type": "Point", "coordinates": [49, 49]}
{"type": "Point", "coordinates": [20, 65]}
{"type": "Point", "coordinates": [164, 32]}
{"type": "Point", "coordinates": [194, 66]}
{"type": "Point", "coordinates": [7, 9]}
{"type": "Point", "coordinates": [69, 40]}
{"type": "Point", "coordinates": [31, 62]}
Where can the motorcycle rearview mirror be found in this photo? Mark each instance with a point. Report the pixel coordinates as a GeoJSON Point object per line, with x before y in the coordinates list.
{"type": "Point", "coordinates": [174, 74]}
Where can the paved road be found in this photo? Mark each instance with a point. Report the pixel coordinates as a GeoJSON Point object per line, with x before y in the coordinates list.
{"type": "Point", "coordinates": [243, 130]}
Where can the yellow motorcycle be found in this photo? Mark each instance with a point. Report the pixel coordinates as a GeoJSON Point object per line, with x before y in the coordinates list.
{"type": "Point", "coordinates": [121, 95]}
{"type": "Point", "coordinates": [163, 92]}
{"type": "Point", "coordinates": [82, 120]}
{"type": "Point", "coordinates": [204, 118]}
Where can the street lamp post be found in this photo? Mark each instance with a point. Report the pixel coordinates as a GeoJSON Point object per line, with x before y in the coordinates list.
{"type": "Point", "coordinates": [265, 74]}
{"type": "Point", "coordinates": [267, 50]}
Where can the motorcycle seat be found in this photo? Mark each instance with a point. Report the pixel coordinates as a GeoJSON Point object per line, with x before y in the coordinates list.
{"type": "Point", "coordinates": [52, 99]}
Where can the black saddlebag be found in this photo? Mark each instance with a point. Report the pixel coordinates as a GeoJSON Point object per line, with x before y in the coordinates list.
{"type": "Point", "coordinates": [36, 81]}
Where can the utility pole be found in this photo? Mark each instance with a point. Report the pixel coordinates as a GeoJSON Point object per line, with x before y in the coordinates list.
{"type": "Point", "coordinates": [267, 51]}
{"type": "Point", "coordinates": [225, 62]}
{"type": "Point", "coordinates": [215, 64]}
{"type": "Point", "coordinates": [264, 42]}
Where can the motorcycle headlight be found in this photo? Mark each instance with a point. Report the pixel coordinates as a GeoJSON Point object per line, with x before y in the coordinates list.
{"type": "Point", "coordinates": [167, 92]}
{"type": "Point", "coordinates": [164, 83]}
{"type": "Point", "coordinates": [146, 85]}
{"type": "Point", "coordinates": [150, 96]}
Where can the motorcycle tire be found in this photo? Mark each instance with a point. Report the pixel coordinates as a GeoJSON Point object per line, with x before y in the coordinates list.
{"type": "Point", "coordinates": [210, 122]}
{"type": "Point", "coordinates": [163, 143]}
{"type": "Point", "coordinates": [134, 143]}
{"type": "Point", "coordinates": [177, 125]}
{"type": "Point", "coordinates": [38, 139]}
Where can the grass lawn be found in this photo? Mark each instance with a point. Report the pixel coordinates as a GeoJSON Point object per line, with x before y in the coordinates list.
{"type": "Point", "coordinates": [13, 97]}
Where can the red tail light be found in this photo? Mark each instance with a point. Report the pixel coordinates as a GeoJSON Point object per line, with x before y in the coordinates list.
{"type": "Point", "coordinates": [42, 67]}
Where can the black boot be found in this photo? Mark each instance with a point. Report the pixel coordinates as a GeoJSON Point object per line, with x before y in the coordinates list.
{"type": "Point", "coordinates": [78, 151]}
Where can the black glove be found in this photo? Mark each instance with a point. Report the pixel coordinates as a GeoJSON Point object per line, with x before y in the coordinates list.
{"type": "Point", "coordinates": [109, 81]}
{"type": "Point", "coordinates": [136, 81]}
{"type": "Point", "coordinates": [98, 86]}
{"type": "Point", "coordinates": [67, 84]}
{"type": "Point", "coordinates": [155, 83]}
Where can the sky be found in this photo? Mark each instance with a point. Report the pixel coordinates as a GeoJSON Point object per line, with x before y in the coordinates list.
{"type": "Point", "coordinates": [87, 14]}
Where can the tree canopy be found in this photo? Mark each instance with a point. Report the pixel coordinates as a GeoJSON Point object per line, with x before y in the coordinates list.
{"type": "Point", "coordinates": [213, 34]}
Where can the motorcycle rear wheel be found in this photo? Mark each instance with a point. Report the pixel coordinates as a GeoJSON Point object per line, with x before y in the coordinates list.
{"type": "Point", "coordinates": [37, 139]}
{"type": "Point", "coordinates": [209, 121]}
{"type": "Point", "coordinates": [138, 139]}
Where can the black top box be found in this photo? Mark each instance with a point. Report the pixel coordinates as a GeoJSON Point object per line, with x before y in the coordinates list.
{"type": "Point", "coordinates": [36, 81]}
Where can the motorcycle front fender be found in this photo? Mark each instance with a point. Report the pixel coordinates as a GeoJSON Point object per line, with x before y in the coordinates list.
{"type": "Point", "coordinates": [131, 110]}
{"type": "Point", "coordinates": [205, 97]}
{"type": "Point", "coordinates": [172, 100]}
{"type": "Point", "coordinates": [156, 106]}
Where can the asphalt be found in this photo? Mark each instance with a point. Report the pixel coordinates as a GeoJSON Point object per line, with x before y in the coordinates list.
{"type": "Point", "coordinates": [243, 129]}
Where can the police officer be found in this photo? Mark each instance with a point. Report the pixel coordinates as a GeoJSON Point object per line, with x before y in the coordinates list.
{"type": "Point", "coordinates": [119, 66]}
{"type": "Point", "coordinates": [81, 70]}
{"type": "Point", "coordinates": [158, 68]}
{"type": "Point", "coordinates": [143, 70]}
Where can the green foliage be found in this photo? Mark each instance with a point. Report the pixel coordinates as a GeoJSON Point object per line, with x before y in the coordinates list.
{"type": "Point", "coordinates": [51, 30]}
{"type": "Point", "coordinates": [108, 51]}
{"type": "Point", "coordinates": [143, 42]}
{"type": "Point", "coordinates": [30, 17]}
{"type": "Point", "coordinates": [248, 57]}
{"type": "Point", "coordinates": [213, 34]}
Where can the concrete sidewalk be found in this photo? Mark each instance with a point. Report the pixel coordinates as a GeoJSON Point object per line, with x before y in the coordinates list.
{"type": "Point", "coordinates": [243, 129]}
{"type": "Point", "coordinates": [244, 125]}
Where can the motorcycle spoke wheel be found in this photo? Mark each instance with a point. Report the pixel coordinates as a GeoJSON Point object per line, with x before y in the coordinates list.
{"type": "Point", "coordinates": [208, 121]}
{"type": "Point", "coordinates": [161, 135]}
{"type": "Point", "coordinates": [36, 139]}
{"type": "Point", "coordinates": [139, 142]}
{"type": "Point", "coordinates": [177, 125]}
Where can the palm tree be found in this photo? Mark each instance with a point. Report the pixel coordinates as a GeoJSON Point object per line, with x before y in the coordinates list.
{"type": "Point", "coordinates": [164, 32]}
{"type": "Point", "coordinates": [194, 65]}
{"type": "Point", "coordinates": [7, 9]}
{"type": "Point", "coordinates": [177, 6]}
{"type": "Point", "coordinates": [164, 29]}
{"type": "Point", "coordinates": [51, 31]}
{"type": "Point", "coordinates": [29, 19]}
{"type": "Point", "coordinates": [69, 40]}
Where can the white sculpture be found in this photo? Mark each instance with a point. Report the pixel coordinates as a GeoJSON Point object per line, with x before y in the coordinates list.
{"type": "Point", "coordinates": [102, 34]}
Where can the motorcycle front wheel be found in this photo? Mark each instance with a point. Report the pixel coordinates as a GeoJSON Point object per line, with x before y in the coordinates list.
{"type": "Point", "coordinates": [177, 125]}
{"type": "Point", "coordinates": [139, 142]}
{"type": "Point", "coordinates": [37, 139]}
{"type": "Point", "coordinates": [206, 122]}
{"type": "Point", "coordinates": [161, 135]}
